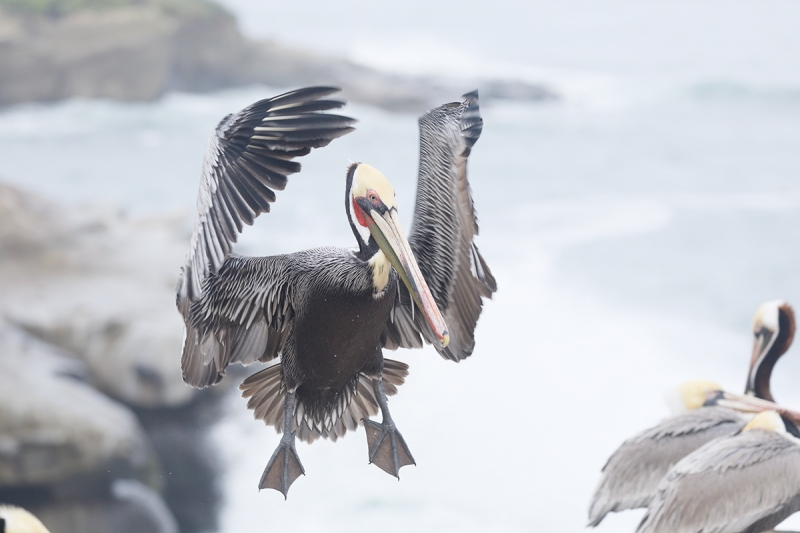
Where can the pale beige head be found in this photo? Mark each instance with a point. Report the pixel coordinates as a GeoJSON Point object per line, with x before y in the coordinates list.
{"type": "Point", "coordinates": [694, 394]}
{"type": "Point", "coordinates": [767, 315]}
{"type": "Point", "coordinates": [368, 179]}
{"type": "Point", "coordinates": [766, 420]}
{"type": "Point", "coordinates": [18, 520]}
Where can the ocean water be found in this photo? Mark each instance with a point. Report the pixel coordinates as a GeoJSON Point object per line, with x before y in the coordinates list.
{"type": "Point", "coordinates": [633, 225]}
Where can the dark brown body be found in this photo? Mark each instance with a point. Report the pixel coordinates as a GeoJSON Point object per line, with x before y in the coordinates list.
{"type": "Point", "coordinates": [336, 335]}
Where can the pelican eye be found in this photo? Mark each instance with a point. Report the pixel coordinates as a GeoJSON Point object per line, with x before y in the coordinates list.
{"type": "Point", "coordinates": [373, 197]}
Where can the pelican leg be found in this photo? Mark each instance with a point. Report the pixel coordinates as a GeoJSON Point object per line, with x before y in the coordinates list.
{"type": "Point", "coordinates": [387, 449]}
{"type": "Point", "coordinates": [284, 466]}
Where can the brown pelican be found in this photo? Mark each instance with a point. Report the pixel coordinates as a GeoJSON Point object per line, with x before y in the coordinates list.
{"type": "Point", "coordinates": [631, 475]}
{"type": "Point", "coordinates": [17, 520]}
{"type": "Point", "coordinates": [743, 483]}
{"type": "Point", "coordinates": [329, 312]}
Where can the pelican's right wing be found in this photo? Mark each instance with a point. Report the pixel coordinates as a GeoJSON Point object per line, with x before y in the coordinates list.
{"type": "Point", "coordinates": [249, 158]}
{"type": "Point", "coordinates": [244, 315]}
{"type": "Point", "coordinates": [442, 235]}
{"type": "Point", "coordinates": [744, 483]}
{"type": "Point", "coordinates": [631, 476]}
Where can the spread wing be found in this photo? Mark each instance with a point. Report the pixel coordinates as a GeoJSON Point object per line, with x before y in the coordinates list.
{"type": "Point", "coordinates": [631, 476]}
{"type": "Point", "coordinates": [442, 234]}
{"type": "Point", "coordinates": [249, 157]}
{"type": "Point", "coordinates": [746, 482]}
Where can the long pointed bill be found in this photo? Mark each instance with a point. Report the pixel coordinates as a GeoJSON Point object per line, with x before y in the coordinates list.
{"type": "Point", "coordinates": [388, 233]}
{"type": "Point", "coordinates": [751, 404]}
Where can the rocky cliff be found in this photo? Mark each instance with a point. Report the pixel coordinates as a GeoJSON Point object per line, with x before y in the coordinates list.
{"type": "Point", "coordinates": [138, 50]}
{"type": "Point", "coordinates": [98, 432]}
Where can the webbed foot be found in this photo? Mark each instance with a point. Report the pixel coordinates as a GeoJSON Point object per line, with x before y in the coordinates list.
{"type": "Point", "coordinates": [387, 449]}
{"type": "Point", "coordinates": [283, 468]}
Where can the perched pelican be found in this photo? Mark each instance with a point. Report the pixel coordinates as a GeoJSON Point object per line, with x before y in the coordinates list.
{"type": "Point", "coordinates": [631, 475]}
{"type": "Point", "coordinates": [17, 520]}
{"type": "Point", "coordinates": [329, 312]}
{"type": "Point", "coordinates": [743, 483]}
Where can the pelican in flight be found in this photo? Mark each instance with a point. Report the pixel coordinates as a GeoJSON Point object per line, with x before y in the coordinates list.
{"type": "Point", "coordinates": [743, 483]}
{"type": "Point", "coordinates": [631, 476]}
{"type": "Point", "coordinates": [327, 313]}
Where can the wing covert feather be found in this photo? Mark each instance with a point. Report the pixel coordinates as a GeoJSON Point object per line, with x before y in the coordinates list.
{"type": "Point", "coordinates": [244, 315]}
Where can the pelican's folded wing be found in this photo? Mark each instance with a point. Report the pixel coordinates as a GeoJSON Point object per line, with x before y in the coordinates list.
{"type": "Point", "coordinates": [743, 483]}
{"type": "Point", "coordinates": [244, 315]}
{"type": "Point", "coordinates": [248, 158]}
{"type": "Point", "coordinates": [631, 476]}
{"type": "Point", "coordinates": [442, 234]}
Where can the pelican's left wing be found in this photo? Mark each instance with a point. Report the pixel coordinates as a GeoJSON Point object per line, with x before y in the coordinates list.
{"type": "Point", "coordinates": [442, 235]}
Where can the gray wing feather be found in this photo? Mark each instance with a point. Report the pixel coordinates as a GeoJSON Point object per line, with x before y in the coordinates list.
{"type": "Point", "coordinates": [247, 159]}
{"type": "Point", "coordinates": [442, 234]}
{"type": "Point", "coordinates": [244, 314]}
{"type": "Point", "coordinates": [632, 474]}
{"type": "Point", "coordinates": [746, 483]}
{"type": "Point", "coordinates": [266, 395]}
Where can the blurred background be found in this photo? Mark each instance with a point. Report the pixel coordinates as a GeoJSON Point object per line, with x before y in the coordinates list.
{"type": "Point", "coordinates": [638, 189]}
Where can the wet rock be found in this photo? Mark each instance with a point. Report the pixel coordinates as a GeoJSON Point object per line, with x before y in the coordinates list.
{"type": "Point", "coordinates": [190, 467]}
{"type": "Point", "coordinates": [87, 313]}
{"type": "Point", "coordinates": [80, 460]}
{"type": "Point", "coordinates": [100, 285]}
{"type": "Point", "coordinates": [55, 428]}
{"type": "Point", "coordinates": [131, 507]}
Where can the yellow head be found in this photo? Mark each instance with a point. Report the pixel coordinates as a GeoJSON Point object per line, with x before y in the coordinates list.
{"type": "Point", "coordinates": [367, 178]}
{"type": "Point", "coordinates": [19, 520]}
{"type": "Point", "coordinates": [693, 395]}
{"type": "Point", "coordinates": [768, 421]}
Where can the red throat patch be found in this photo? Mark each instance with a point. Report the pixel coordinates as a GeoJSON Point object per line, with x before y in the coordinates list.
{"type": "Point", "coordinates": [362, 217]}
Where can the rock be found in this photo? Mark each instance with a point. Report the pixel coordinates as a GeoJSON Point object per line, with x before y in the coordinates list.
{"type": "Point", "coordinates": [115, 54]}
{"type": "Point", "coordinates": [73, 456]}
{"type": "Point", "coordinates": [143, 49]}
{"type": "Point", "coordinates": [138, 495]}
{"type": "Point", "coordinates": [89, 306]}
{"type": "Point", "coordinates": [100, 285]}
{"type": "Point", "coordinates": [131, 507]}
{"type": "Point", "coordinates": [88, 295]}
{"type": "Point", "coordinates": [55, 428]}
{"type": "Point", "coordinates": [189, 463]}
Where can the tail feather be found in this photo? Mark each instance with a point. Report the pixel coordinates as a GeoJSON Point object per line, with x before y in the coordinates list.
{"type": "Point", "coordinates": [266, 392]}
